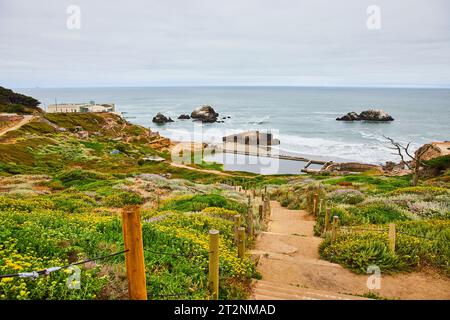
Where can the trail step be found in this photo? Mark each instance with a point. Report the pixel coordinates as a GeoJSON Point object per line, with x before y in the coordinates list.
{"type": "Point", "coordinates": [266, 290]}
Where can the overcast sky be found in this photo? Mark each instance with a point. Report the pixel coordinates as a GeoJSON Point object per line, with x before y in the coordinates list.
{"type": "Point", "coordinates": [217, 42]}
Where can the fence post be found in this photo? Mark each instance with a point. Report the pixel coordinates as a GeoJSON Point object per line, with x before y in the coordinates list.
{"type": "Point", "coordinates": [214, 263]}
{"type": "Point", "coordinates": [334, 229]}
{"type": "Point", "coordinates": [392, 237]}
{"type": "Point", "coordinates": [260, 212]}
{"type": "Point", "coordinates": [134, 257]}
{"type": "Point", "coordinates": [327, 219]}
{"type": "Point", "coordinates": [241, 242]}
{"type": "Point", "coordinates": [250, 222]}
{"type": "Point", "coordinates": [266, 207]}
{"type": "Point", "coordinates": [316, 196]}
{"type": "Point", "coordinates": [237, 223]}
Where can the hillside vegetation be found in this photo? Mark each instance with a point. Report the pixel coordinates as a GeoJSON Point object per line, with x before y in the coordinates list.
{"type": "Point", "coordinates": [64, 179]}
{"type": "Point", "coordinates": [12, 102]}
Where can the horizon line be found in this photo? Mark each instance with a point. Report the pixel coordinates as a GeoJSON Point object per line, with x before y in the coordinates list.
{"type": "Point", "coordinates": [243, 86]}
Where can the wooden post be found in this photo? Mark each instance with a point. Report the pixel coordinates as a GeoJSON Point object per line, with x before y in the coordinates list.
{"type": "Point", "coordinates": [237, 224]}
{"type": "Point", "coordinates": [265, 208]}
{"type": "Point", "coordinates": [214, 264]}
{"type": "Point", "coordinates": [241, 242]}
{"type": "Point", "coordinates": [134, 257]}
{"type": "Point", "coordinates": [392, 237]}
{"type": "Point", "coordinates": [265, 190]}
{"type": "Point", "coordinates": [327, 219]}
{"type": "Point", "coordinates": [316, 196]}
{"type": "Point", "coordinates": [250, 222]}
{"type": "Point", "coordinates": [334, 229]}
{"type": "Point", "coordinates": [260, 212]}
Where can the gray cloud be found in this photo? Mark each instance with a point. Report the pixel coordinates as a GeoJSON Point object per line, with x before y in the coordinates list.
{"type": "Point", "coordinates": [199, 42]}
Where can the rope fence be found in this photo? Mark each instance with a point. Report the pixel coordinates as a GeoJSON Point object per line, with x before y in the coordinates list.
{"type": "Point", "coordinates": [362, 229]}
{"type": "Point", "coordinates": [35, 274]}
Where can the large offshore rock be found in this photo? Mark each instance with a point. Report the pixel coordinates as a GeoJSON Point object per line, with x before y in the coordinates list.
{"type": "Point", "coordinates": [375, 115]}
{"type": "Point", "coordinates": [367, 115]}
{"type": "Point", "coordinates": [205, 114]}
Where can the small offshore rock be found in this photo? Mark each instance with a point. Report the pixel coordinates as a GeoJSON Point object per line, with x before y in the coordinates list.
{"type": "Point", "coordinates": [184, 117]}
{"type": "Point", "coordinates": [160, 118]}
{"type": "Point", "coordinates": [351, 116]}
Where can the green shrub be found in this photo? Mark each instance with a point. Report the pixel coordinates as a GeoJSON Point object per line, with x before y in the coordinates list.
{"type": "Point", "coordinates": [123, 199]}
{"type": "Point", "coordinates": [73, 202]}
{"type": "Point", "coordinates": [200, 202]}
{"type": "Point", "coordinates": [380, 184]}
{"type": "Point", "coordinates": [79, 177]}
{"type": "Point", "coordinates": [377, 213]}
{"type": "Point", "coordinates": [358, 251]}
{"type": "Point", "coordinates": [440, 163]}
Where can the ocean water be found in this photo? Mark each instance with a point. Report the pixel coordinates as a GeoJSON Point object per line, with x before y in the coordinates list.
{"type": "Point", "coordinates": [302, 118]}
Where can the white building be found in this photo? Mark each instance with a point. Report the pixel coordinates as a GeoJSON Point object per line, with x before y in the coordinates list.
{"type": "Point", "coordinates": [80, 107]}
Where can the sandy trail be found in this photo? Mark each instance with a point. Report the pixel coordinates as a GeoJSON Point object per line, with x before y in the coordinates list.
{"type": "Point", "coordinates": [173, 164]}
{"type": "Point", "coordinates": [292, 269]}
{"type": "Point", "coordinates": [24, 121]}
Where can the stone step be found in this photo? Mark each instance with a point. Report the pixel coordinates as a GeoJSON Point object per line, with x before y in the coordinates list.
{"type": "Point", "coordinates": [281, 295]}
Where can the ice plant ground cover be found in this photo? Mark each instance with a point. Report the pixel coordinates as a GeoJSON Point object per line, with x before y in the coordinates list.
{"type": "Point", "coordinates": [40, 231]}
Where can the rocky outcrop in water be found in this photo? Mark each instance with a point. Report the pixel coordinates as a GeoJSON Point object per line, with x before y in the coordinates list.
{"type": "Point", "coordinates": [160, 118]}
{"type": "Point", "coordinates": [367, 115]}
{"type": "Point", "coordinates": [205, 114]}
{"type": "Point", "coordinates": [352, 167]}
{"type": "Point", "coordinates": [184, 117]}
{"type": "Point", "coordinates": [351, 116]}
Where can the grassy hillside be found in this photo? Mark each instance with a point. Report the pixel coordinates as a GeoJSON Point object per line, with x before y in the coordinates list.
{"type": "Point", "coordinates": [64, 179]}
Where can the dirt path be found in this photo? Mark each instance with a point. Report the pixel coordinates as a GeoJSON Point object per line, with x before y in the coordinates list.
{"type": "Point", "coordinates": [24, 121]}
{"type": "Point", "coordinates": [173, 164]}
{"type": "Point", "coordinates": [291, 268]}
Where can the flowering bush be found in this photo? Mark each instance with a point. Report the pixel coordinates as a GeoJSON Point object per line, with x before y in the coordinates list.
{"type": "Point", "coordinates": [220, 212]}
{"type": "Point", "coordinates": [348, 196]}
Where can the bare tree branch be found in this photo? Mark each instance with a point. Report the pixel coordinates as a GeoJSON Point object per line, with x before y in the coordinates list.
{"type": "Point", "coordinates": [400, 150]}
